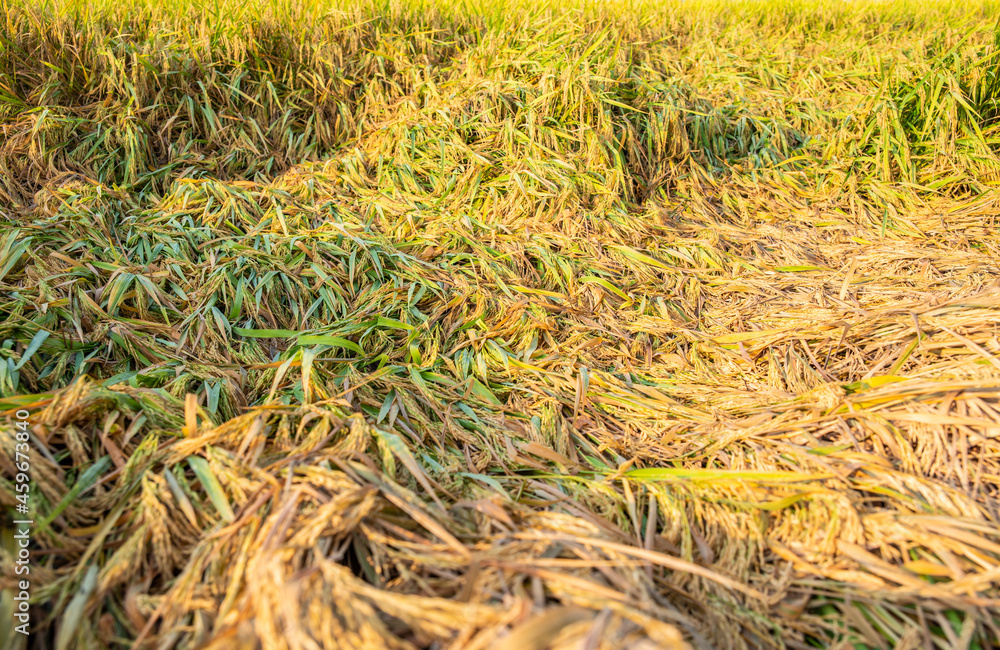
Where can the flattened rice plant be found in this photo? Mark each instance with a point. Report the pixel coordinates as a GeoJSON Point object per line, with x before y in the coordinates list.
{"type": "Point", "coordinates": [423, 325]}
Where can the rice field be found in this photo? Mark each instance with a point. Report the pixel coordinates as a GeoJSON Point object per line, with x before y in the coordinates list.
{"type": "Point", "coordinates": [412, 324]}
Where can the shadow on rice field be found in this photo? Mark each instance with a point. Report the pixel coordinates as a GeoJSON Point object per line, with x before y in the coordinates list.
{"type": "Point", "coordinates": [417, 325]}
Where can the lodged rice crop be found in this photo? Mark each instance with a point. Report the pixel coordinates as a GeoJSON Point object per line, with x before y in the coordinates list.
{"type": "Point", "coordinates": [417, 324]}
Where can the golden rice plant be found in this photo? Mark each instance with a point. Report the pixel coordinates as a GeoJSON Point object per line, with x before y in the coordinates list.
{"type": "Point", "coordinates": [415, 324]}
